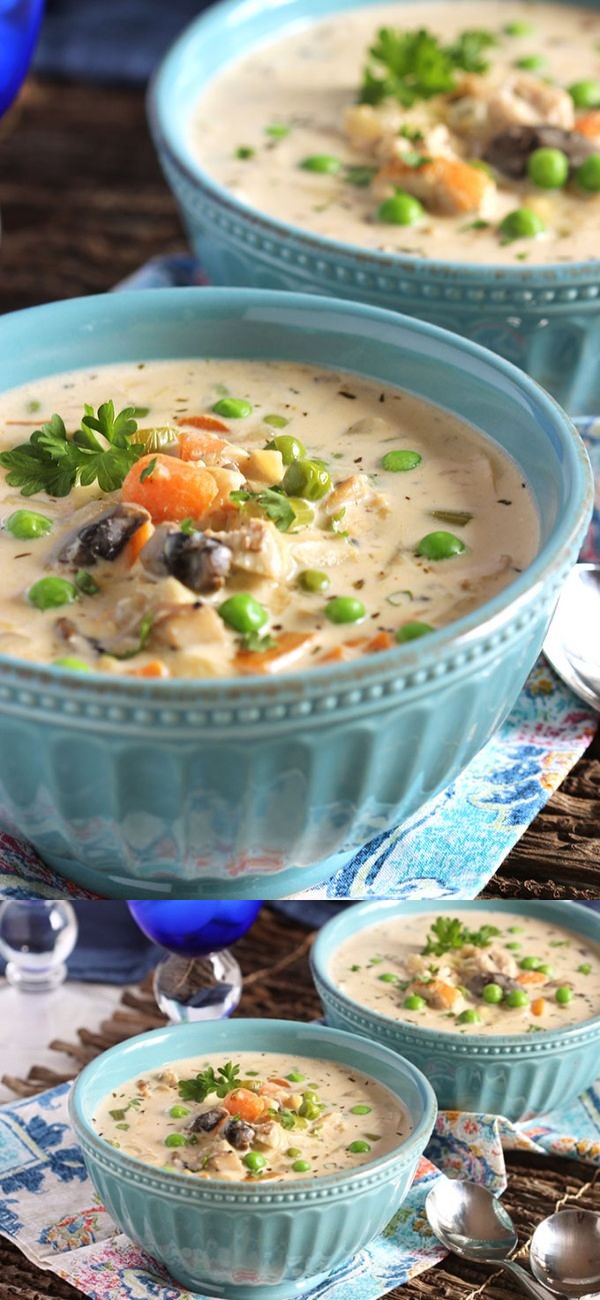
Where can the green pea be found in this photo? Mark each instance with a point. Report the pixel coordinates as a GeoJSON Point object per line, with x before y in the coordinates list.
{"type": "Point", "coordinates": [585, 94]}
{"type": "Point", "coordinates": [303, 515]}
{"type": "Point", "coordinates": [530, 963]}
{"type": "Point", "coordinates": [388, 978]}
{"type": "Point", "coordinates": [301, 1167]}
{"type": "Point", "coordinates": [414, 1003]}
{"type": "Point", "coordinates": [345, 609]}
{"type": "Point", "coordinates": [440, 546]}
{"type": "Point", "coordinates": [400, 461]}
{"type": "Point", "coordinates": [588, 175]}
{"type": "Point", "coordinates": [548, 168]}
{"type": "Point", "coordinates": [514, 947]}
{"type": "Point", "coordinates": [291, 448]}
{"type": "Point", "coordinates": [469, 1017]}
{"type": "Point", "coordinates": [564, 995]}
{"type": "Point", "coordinates": [361, 1110]}
{"type": "Point", "coordinates": [401, 210]}
{"type": "Point", "coordinates": [530, 62]}
{"type": "Point", "coordinates": [277, 131]}
{"type": "Point", "coordinates": [308, 479]}
{"type": "Point", "coordinates": [518, 29]}
{"type": "Point", "coordinates": [311, 1094]}
{"type": "Point", "coordinates": [76, 665]}
{"type": "Point", "coordinates": [517, 998]}
{"type": "Point", "coordinates": [255, 1162]}
{"type": "Point", "coordinates": [547, 969]}
{"type": "Point", "coordinates": [175, 1140]}
{"type": "Point", "coordinates": [243, 612]}
{"type": "Point", "coordinates": [522, 223]}
{"type": "Point", "coordinates": [585, 968]}
{"type": "Point", "coordinates": [26, 525]}
{"type": "Point", "coordinates": [313, 580]}
{"type": "Point", "coordinates": [325, 163]}
{"type": "Point", "coordinates": [412, 631]}
{"type": "Point", "coordinates": [276, 421]}
{"type": "Point", "coordinates": [358, 1147]}
{"type": "Point", "coordinates": [515, 929]}
{"type": "Point", "coordinates": [49, 593]}
{"type": "Point", "coordinates": [233, 408]}
{"type": "Point", "coordinates": [292, 1152]}
{"type": "Point", "coordinates": [493, 994]}
{"type": "Point", "coordinates": [178, 1112]}
{"type": "Point", "coordinates": [309, 1110]}
{"type": "Point", "coordinates": [295, 1077]}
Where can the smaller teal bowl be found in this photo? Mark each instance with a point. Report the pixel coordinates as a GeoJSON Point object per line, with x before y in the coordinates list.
{"type": "Point", "coordinates": [272, 1241]}
{"type": "Point", "coordinates": [515, 1075]}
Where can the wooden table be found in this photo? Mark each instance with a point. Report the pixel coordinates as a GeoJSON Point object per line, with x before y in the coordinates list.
{"type": "Point", "coordinates": [274, 958]}
{"type": "Point", "coordinates": [83, 203]}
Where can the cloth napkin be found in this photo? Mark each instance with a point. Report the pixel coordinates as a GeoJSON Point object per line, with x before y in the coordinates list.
{"type": "Point", "coordinates": [48, 1206]}
{"type": "Point", "coordinates": [451, 847]}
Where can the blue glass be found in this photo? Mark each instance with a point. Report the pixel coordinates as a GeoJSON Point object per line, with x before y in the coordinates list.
{"type": "Point", "coordinates": [201, 979]}
{"type": "Point", "coordinates": [19, 27]}
{"type": "Point", "coordinates": [194, 929]}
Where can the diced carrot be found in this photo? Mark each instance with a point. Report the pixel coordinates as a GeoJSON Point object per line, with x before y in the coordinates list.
{"type": "Point", "coordinates": [532, 977]}
{"type": "Point", "coordinates": [154, 668]}
{"type": "Point", "coordinates": [339, 654]}
{"type": "Point", "coordinates": [537, 1007]}
{"type": "Point", "coordinates": [283, 1083]}
{"type": "Point", "coordinates": [589, 124]}
{"type": "Point", "coordinates": [138, 542]}
{"type": "Point", "coordinates": [169, 488]}
{"type": "Point", "coordinates": [290, 645]}
{"type": "Point", "coordinates": [383, 641]}
{"type": "Point", "coordinates": [246, 1104]}
{"type": "Point", "coordinates": [357, 641]}
{"type": "Point", "coordinates": [208, 422]}
{"type": "Point", "coordinates": [200, 446]}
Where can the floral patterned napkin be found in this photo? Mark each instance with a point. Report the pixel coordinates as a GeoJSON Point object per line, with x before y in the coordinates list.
{"type": "Point", "coordinates": [453, 846]}
{"type": "Point", "coordinates": [48, 1206]}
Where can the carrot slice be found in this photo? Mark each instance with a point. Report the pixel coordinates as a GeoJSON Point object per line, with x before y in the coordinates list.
{"type": "Point", "coordinates": [138, 542]}
{"type": "Point", "coordinates": [532, 977]}
{"type": "Point", "coordinates": [194, 445]}
{"type": "Point", "coordinates": [383, 641]}
{"type": "Point", "coordinates": [208, 422]}
{"type": "Point", "coordinates": [537, 1007]}
{"type": "Point", "coordinates": [154, 668]}
{"type": "Point", "coordinates": [339, 654]}
{"type": "Point", "coordinates": [246, 1104]}
{"type": "Point", "coordinates": [589, 124]}
{"type": "Point", "coordinates": [290, 646]}
{"type": "Point", "coordinates": [169, 488]}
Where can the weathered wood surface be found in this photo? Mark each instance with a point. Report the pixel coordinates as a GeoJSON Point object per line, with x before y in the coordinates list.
{"type": "Point", "coordinates": [274, 959]}
{"type": "Point", "coordinates": [83, 203]}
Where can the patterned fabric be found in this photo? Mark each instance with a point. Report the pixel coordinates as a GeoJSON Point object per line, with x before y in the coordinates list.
{"type": "Point", "coordinates": [48, 1206]}
{"type": "Point", "coordinates": [470, 827]}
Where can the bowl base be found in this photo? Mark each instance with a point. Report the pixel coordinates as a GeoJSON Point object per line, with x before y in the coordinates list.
{"type": "Point", "coordinates": [289, 1290]}
{"type": "Point", "coordinates": [166, 883]}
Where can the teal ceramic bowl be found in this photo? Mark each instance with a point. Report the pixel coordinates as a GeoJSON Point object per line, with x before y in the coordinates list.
{"type": "Point", "coordinates": [259, 787]}
{"type": "Point", "coordinates": [545, 319]}
{"type": "Point", "coordinates": [240, 1241]}
{"type": "Point", "coordinates": [515, 1075]}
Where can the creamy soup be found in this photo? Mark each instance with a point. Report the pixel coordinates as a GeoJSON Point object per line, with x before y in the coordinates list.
{"type": "Point", "coordinates": [472, 972]}
{"type": "Point", "coordinates": [261, 1116]}
{"type": "Point", "coordinates": [417, 129]}
{"type": "Point", "coordinates": [259, 517]}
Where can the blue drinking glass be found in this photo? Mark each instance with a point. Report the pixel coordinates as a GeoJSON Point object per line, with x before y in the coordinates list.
{"type": "Point", "coordinates": [201, 979]}
{"type": "Point", "coordinates": [19, 26]}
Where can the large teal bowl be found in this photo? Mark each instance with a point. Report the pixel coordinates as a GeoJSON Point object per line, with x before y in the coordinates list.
{"type": "Point", "coordinates": [256, 788]}
{"type": "Point", "coordinates": [545, 319]}
{"type": "Point", "coordinates": [516, 1075]}
{"type": "Point", "coordinates": [256, 1242]}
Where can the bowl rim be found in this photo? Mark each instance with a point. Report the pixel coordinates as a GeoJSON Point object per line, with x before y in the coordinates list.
{"type": "Point", "coordinates": [444, 642]}
{"type": "Point", "coordinates": [169, 138]}
{"type": "Point", "coordinates": [465, 1042]}
{"type": "Point", "coordinates": [348, 1181]}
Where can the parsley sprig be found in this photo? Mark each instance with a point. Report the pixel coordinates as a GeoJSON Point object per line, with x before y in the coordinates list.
{"type": "Point", "coordinates": [54, 462]}
{"type": "Point", "coordinates": [274, 504]}
{"type": "Point", "coordinates": [198, 1089]}
{"type": "Point", "coordinates": [447, 934]}
{"type": "Point", "coordinates": [414, 65]}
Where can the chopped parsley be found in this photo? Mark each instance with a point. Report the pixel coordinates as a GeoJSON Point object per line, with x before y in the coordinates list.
{"type": "Point", "coordinates": [274, 504]}
{"type": "Point", "coordinates": [413, 65]}
{"type": "Point", "coordinates": [54, 462]}
{"type": "Point", "coordinates": [447, 934]}
{"type": "Point", "coordinates": [206, 1082]}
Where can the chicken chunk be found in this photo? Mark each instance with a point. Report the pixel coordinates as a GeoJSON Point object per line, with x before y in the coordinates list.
{"type": "Point", "coordinates": [182, 626]}
{"type": "Point", "coordinates": [445, 185]}
{"type": "Point", "coordinates": [257, 547]}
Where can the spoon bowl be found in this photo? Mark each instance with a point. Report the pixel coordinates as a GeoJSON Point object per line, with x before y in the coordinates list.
{"type": "Point", "coordinates": [565, 1253]}
{"type": "Point", "coordinates": [572, 645]}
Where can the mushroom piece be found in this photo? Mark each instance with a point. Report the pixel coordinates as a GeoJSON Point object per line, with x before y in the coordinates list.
{"type": "Point", "coordinates": [208, 1120]}
{"type": "Point", "coordinates": [105, 537]}
{"type": "Point", "coordinates": [478, 981]}
{"type": "Point", "coordinates": [238, 1134]}
{"type": "Point", "coordinates": [510, 150]}
{"type": "Point", "coordinates": [201, 563]}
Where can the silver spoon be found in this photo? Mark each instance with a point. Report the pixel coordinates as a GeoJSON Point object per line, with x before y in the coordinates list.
{"type": "Point", "coordinates": [470, 1222]}
{"type": "Point", "coordinates": [572, 644]}
{"type": "Point", "coordinates": [565, 1253]}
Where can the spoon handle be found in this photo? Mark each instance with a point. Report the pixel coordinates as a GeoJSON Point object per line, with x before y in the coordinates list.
{"type": "Point", "coordinates": [527, 1282]}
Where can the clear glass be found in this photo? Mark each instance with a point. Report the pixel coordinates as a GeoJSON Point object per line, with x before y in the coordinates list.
{"type": "Point", "coordinates": [201, 979]}
{"type": "Point", "coordinates": [19, 26]}
{"type": "Point", "coordinates": [35, 940]}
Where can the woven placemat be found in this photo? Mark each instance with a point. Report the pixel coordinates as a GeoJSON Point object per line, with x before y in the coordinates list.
{"type": "Point", "coordinates": [274, 958]}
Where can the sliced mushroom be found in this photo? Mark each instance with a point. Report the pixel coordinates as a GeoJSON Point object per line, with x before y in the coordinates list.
{"type": "Point", "coordinates": [510, 150]}
{"type": "Point", "coordinates": [208, 1120]}
{"type": "Point", "coordinates": [200, 562]}
{"type": "Point", "coordinates": [105, 537]}
{"type": "Point", "coordinates": [238, 1134]}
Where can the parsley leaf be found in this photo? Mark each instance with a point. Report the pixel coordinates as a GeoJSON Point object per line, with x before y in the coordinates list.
{"type": "Point", "coordinates": [448, 934]}
{"type": "Point", "coordinates": [275, 505]}
{"type": "Point", "coordinates": [55, 463]}
{"type": "Point", "coordinates": [198, 1089]}
{"type": "Point", "coordinates": [466, 51]}
{"type": "Point", "coordinates": [414, 65]}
